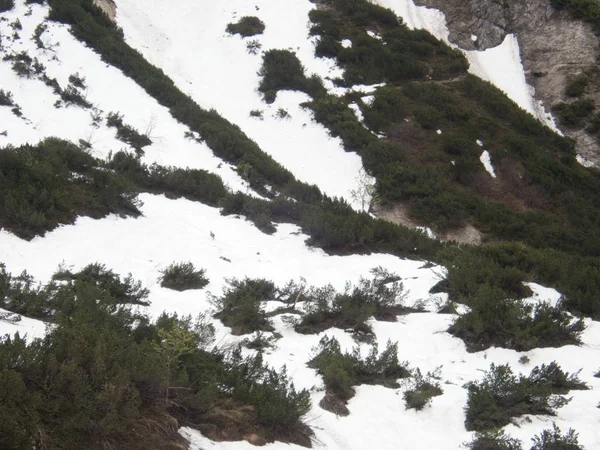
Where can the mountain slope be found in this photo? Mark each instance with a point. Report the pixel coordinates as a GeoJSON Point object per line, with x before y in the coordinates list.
{"type": "Point", "coordinates": [215, 69]}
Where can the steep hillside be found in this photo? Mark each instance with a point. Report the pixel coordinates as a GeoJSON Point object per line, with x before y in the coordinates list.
{"type": "Point", "coordinates": [190, 254]}
{"type": "Point", "coordinates": [559, 51]}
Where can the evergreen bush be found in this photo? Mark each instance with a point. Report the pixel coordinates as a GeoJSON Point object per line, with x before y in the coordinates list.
{"type": "Point", "coordinates": [182, 276]}
{"type": "Point", "coordinates": [247, 26]}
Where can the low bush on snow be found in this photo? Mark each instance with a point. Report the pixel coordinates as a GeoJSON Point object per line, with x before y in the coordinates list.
{"type": "Point", "coordinates": [6, 98]}
{"type": "Point", "coordinates": [247, 26]}
{"type": "Point", "coordinates": [501, 395]}
{"type": "Point", "coordinates": [127, 133]}
{"type": "Point", "coordinates": [282, 70]}
{"type": "Point", "coordinates": [381, 297]}
{"type": "Point", "coordinates": [241, 305]}
{"type": "Point", "coordinates": [421, 390]}
{"type": "Point", "coordinates": [495, 320]}
{"type": "Point", "coordinates": [341, 371]}
{"type": "Point", "coordinates": [552, 439]}
{"type": "Point", "coordinates": [183, 276]}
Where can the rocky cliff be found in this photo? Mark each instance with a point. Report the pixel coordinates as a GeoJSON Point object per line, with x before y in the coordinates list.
{"type": "Point", "coordinates": [554, 48]}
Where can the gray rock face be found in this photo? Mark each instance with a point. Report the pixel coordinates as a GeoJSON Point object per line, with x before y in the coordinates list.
{"type": "Point", "coordinates": [554, 48]}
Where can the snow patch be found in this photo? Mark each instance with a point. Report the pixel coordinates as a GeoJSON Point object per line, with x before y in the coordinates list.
{"type": "Point", "coordinates": [487, 163]}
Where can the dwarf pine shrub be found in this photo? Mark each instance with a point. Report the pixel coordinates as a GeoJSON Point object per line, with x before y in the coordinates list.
{"type": "Point", "coordinates": [183, 276]}
{"type": "Point", "coordinates": [493, 440]}
{"type": "Point", "coordinates": [421, 391]}
{"type": "Point", "coordinates": [501, 395]}
{"type": "Point", "coordinates": [247, 26]}
{"type": "Point", "coordinates": [554, 440]}
{"type": "Point", "coordinates": [240, 305]}
{"type": "Point", "coordinates": [341, 371]}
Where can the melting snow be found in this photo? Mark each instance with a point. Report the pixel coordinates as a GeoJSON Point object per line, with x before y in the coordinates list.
{"type": "Point", "coordinates": [487, 163]}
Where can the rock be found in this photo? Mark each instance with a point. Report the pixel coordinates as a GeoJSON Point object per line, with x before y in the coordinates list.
{"type": "Point", "coordinates": [108, 7]}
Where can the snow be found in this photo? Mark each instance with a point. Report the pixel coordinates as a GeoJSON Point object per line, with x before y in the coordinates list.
{"type": "Point", "coordinates": [585, 162]}
{"type": "Point", "coordinates": [487, 163]}
{"type": "Point", "coordinates": [501, 65]}
{"type": "Point", "coordinates": [474, 38]}
{"type": "Point", "coordinates": [27, 328]}
{"type": "Point", "coordinates": [346, 43]}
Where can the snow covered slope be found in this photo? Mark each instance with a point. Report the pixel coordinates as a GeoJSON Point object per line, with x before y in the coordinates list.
{"type": "Point", "coordinates": [188, 41]}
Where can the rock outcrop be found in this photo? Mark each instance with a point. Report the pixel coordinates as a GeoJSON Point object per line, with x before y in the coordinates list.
{"type": "Point", "coordinates": [109, 7]}
{"type": "Point", "coordinates": [554, 47]}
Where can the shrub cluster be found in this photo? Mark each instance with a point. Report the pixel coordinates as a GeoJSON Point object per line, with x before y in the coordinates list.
{"type": "Point", "coordinates": [341, 371]}
{"type": "Point", "coordinates": [501, 395]}
{"type": "Point", "coordinates": [576, 86]}
{"type": "Point", "coordinates": [586, 10]}
{"type": "Point", "coordinates": [494, 320]}
{"type": "Point", "coordinates": [53, 182]}
{"type": "Point", "coordinates": [282, 70]}
{"type": "Point", "coordinates": [103, 372]}
{"type": "Point", "coordinates": [573, 114]}
{"type": "Point", "coordinates": [183, 276]}
{"type": "Point", "coordinates": [241, 305]}
{"type": "Point", "coordinates": [247, 26]}
{"type": "Point", "coordinates": [381, 297]}
{"type": "Point", "coordinates": [552, 439]}
{"type": "Point", "coordinates": [400, 54]}
{"type": "Point", "coordinates": [422, 390]}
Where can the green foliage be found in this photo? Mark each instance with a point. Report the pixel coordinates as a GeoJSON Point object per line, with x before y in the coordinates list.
{"type": "Point", "coordinates": [6, 98]}
{"type": "Point", "coordinates": [573, 114]}
{"type": "Point", "coordinates": [381, 297]}
{"type": "Point", "coordinates": [53, 182]}
{"type": "Point", "coordinates": [240, 306]}
{"type": "Point", "coordinates": [6, 5]}
{"type": "Point", "coordinates": [247, 26]}
{"type": "Point", "coordinates": [554, 440]}
{"type": "Point", "coordinates": [127, 133]}
{"type": "Point", "coordinates": [282, 70]}
{"type": "Point", "coordinates": [103, 371]}
{"type": "Point", "coordinates": [576, 86]}
{"type": "Point", "coordinates": [421, 391]}
{"type": "Point", "coordinates": [342, 371]}
{"type": "Point", "coordinates": [501, 395]}
{"type": "Point", "coordinates": [401, 54]}
{"type": "Point", "coordinates": [493, 440]}
{"type": "Point", "coordinates": [182, 276]}
{"type": "Point", "coordinates": [495, 320]}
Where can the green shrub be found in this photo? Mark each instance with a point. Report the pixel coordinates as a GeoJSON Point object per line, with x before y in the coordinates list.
{"type": "Point", "coordinates": [381, 297]}
{"type": "Point", "coordinates": [572, 114]}
{"type": "Point", "coordinates": [586, 10]}
{"type": "Point", "coordinates": [6, 98]}
{"type": "Point", "coordinates": [6, 5]}
{"type": "Point", "coordinates": [282, 70]}
{"type": "Point", "coordinates": [342, 371]}
{"type": "Point", "coordinates": [497, 321]}
{"type": "Point", "coordinates": [576, 86]}
{"type": "Point", "coordinates": [103, 370]}
{"type": "Point", "coordinates": [53, 182]}
{"type": "Point", "coordinates": [421, 391]}
{"type": "Point", "coordinates": [493, 440]}
{"type": "Point", "coordinates": [555, 440]}
{"type": "Point", "coordinates": [247, 26]}
{"type": "Point", "coordinates": [240, 306]}
{"type": "Point", "coordinates": [182, 276]}
{"type": "Point", "coordinates": [128, 134]}
{"type": "Point", "coordinates": [501, 395]}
